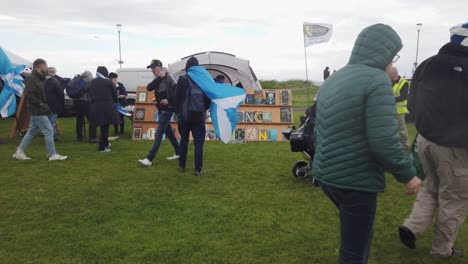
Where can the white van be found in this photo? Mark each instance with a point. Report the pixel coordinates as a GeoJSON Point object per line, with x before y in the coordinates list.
{"type": "Point", "coordinates": [132, 78]}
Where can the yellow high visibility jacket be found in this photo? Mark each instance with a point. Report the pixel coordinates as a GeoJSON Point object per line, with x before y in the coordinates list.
{"type": "Point", "coordinates": [400, 106]}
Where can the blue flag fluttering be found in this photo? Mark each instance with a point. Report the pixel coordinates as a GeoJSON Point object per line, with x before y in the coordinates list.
{"type": "Point", "coordinates": [225, 99]}
{"type": "Point", "coordinates": [122, 110]}
{"type": "Point", "coordinates": [13, 85]}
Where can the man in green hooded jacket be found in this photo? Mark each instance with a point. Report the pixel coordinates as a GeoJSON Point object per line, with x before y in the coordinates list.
{"type": "Point", "coordinates": [357, 139]}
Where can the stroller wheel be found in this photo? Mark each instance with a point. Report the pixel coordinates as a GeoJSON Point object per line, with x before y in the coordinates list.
{"type": "Point", "coordinates": [300, 169]}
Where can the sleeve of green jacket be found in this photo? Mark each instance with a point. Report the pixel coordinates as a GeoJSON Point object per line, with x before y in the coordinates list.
{"type": "Point", "coordinates": [383, 132]}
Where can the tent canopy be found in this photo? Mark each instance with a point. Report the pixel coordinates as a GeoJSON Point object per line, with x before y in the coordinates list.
{"type": "Point", "coordinates": [17, 60]}
{"type": "Point", "coordinates": [236, 71]}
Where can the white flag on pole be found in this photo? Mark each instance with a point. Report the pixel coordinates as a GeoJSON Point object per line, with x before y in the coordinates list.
{"type": "Point", "coordinates": [316, 33]}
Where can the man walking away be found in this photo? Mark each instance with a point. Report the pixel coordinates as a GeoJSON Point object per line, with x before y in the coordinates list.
{"type": "Point", "coordinates": [164, 88]}
{"type": "Point", "coordinates": [191, 104]}
{"type": "Point", "coordinates": [357, 139]}
{"type": "Point", "coordinates": [37, 106]}
{"type": "Point", "coordinates": [439, 101]}
{"type": "Point", "coordinates": [55, 98]}
{"type": "Point", "coordinates": [400, 92]}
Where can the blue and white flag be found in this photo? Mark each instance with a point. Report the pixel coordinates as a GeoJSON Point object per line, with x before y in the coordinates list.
{"type": "Point", "coordinates": [13, 85]}
{"type": "Point", "coordinates": [121, 110]}
{"type": "Point", "coordinates": [225, 99]}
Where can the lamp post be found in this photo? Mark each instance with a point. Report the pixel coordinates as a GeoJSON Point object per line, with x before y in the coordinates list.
{"type": "Point", "coordinates": [418, 28]}
{"type": "Point", "coordinates": [119, 28]}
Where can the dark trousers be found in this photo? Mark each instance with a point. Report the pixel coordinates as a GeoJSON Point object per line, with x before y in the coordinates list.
{"type": "Point", "coordinates": [122, 126]}
{"type": "Point", "coordinates": [357, 213]}
{"type": "Point", "coordinates": [198, 133]}
{"type": "Point", "coordinates": [164, 127]}
{"type": "Point", "coordinates": [82, 109]}
{"type": "Point", "coordinates": [104, 139]}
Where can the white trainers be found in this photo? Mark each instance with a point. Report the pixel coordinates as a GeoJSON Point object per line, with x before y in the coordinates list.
{"type": "Point", "coordinates": [20, 155]}
{"type": "Point", "coordinates": [173, 157]}
{"type": "Point", "coordinates": [57, 156]}
{"type": "Point", "coordinates": [145, 162]}
{"type": "Point", "coordinates": [105, 150]}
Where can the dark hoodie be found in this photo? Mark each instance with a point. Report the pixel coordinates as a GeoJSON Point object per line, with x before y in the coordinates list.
{"type": "Point", "coordinates": [182, 86]}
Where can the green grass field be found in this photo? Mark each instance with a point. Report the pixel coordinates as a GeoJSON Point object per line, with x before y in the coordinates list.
{"type": "Point", "coordinates": [248, 208]}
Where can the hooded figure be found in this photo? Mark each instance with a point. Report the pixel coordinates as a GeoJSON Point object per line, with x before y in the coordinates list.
{"type": "Point", "coordinates": [357, 138]}
{"type": "Point", "coordinates": [103, 109]}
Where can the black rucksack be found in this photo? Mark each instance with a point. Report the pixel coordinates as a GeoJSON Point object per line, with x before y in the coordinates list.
{"type": "Point", "coordinates": [193, 108]}
{"type": "Point", "coordinates": [76, 87]}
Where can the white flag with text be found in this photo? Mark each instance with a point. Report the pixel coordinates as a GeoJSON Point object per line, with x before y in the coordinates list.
{"type": "Point", "coordinates": [316, 33]}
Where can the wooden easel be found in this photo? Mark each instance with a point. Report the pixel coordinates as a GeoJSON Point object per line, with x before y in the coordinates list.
{"type": "Point", "coordinates": [22, 119]}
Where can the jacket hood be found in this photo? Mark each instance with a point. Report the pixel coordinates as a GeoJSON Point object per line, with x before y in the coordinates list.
{"type": "Point", "coordinates": [454, 49]}
{"type": "Point", "coordinates": [103, 70]}
{"type": "Point", "coordinates": [376, 46]}
{"type": "Point", "coordinates": [190, 63]}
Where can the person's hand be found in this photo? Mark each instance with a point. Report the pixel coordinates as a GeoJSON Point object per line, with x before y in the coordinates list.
{"type": "Point", "coordinates": [162, 74]}
{"type": "Point", "coordinates": [164, 102]}
{"type": "Point", "coordinates": [412, 186]}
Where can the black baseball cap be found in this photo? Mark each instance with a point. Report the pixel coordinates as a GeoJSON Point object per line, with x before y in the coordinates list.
{"type": "Point", "coordinates": [154, 63]}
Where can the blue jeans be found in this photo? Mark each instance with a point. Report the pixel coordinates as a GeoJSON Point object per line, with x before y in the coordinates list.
{"type": "Point", "coordinates": [357, 213]}
{"type": "Point", "coordinates": [198, 133]}
{"type": "Point", "coordinates": [164, 127]}
{"type": "Point", "coordinates": [53, 121]}
{"type": "Point", "coordinates": [39, 123]}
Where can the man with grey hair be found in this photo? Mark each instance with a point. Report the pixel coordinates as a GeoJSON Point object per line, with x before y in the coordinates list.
{"type": "Point", "coordinates": [400, 92]}
{"type": "Point", "coordinates": [55, 97]}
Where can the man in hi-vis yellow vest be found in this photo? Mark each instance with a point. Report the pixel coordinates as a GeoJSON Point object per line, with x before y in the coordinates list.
{"type": "Point", "coordinates": [400, 91]}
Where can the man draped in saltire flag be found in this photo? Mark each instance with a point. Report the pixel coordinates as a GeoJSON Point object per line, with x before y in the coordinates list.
{"type": "Point", "coordinates": [13, 85]}
{"type": "Point", "coordinates": [225, 99]}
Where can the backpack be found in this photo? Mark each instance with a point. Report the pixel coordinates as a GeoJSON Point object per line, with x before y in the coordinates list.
{"type": "Point", "coordinates": [193, 108]}
{"type": "Point", "coordinates": [76, 87]}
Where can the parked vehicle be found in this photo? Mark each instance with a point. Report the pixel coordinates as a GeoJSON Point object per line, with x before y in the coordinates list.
{"type": "Point", "coordinates": [132, 78]}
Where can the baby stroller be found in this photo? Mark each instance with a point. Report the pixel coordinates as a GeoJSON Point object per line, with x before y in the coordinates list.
{"type": "Point", "coordinates": [302, 140]}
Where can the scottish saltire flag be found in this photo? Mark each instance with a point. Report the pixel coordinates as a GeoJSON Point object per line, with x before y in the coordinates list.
{"type": "Point", "coordinates": [13, 85]}
{"type": "Point", "coordinates": [225, 99]}
{"type": "Point", "coordinates": [121, 110]}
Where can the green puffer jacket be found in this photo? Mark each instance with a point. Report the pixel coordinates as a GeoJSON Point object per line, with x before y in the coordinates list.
{"type": "Point", "coordinates": [356, 133]}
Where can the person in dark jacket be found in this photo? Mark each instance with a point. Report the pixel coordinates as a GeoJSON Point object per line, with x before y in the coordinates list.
{"type": "Point", "coordinates": [438, 100]}
{"type": "Point", "coordinates": [54, 92]}
{"type": "Point", "coordinates": [196, 125]}
{"type": "Point", "coordinates": [164, 88]}
{"type": "Point", "coordinates": [357, 139]}
{"type": "Point", "coordinates": [103, 110]}
{"type": "Point", "coordinates": [83, 109]}
{"type": "Point", "coordinates": [326, 73]}
{"type": "Point", "coordinates": [121, 99]}
{"type": "Point", "coordinates": [37, 106]}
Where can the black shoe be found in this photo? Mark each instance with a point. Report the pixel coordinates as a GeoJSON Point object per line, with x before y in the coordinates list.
{"type": "Point", "coordinates": [79, 139]}
{"type": "Point", "coordinates": [94, 140]}
{"type": "Point", "coordinates": [457, 253]}
{"type": "Point", "coordinates": [407, 237]}
{"type": "Point", "coordinates": [182, 169]}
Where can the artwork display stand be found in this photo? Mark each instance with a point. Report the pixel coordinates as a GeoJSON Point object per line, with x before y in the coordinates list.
{"type": "Point", "coordinates": [262, 117]}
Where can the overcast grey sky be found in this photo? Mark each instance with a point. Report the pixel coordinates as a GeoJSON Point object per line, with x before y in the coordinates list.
{"type": "Point", "coordinates": [79, 35]}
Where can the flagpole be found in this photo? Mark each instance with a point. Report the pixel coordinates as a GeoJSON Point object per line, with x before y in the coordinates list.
{"type": "Point", "coordinates": [307, 72]}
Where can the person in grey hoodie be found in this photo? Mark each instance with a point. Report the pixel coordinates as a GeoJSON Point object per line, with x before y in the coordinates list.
{"type": "Point", "coordinates": [82, 108]}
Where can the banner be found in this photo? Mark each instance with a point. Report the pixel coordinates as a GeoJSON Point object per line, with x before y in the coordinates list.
{"type": "Point", "coordinates": [316, 33]}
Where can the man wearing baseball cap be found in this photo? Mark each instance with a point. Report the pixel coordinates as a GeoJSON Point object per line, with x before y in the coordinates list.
{"type": "Point", "coordinates": [164, 87]}
{"type": "Point", "coordinates": [438, 99]}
